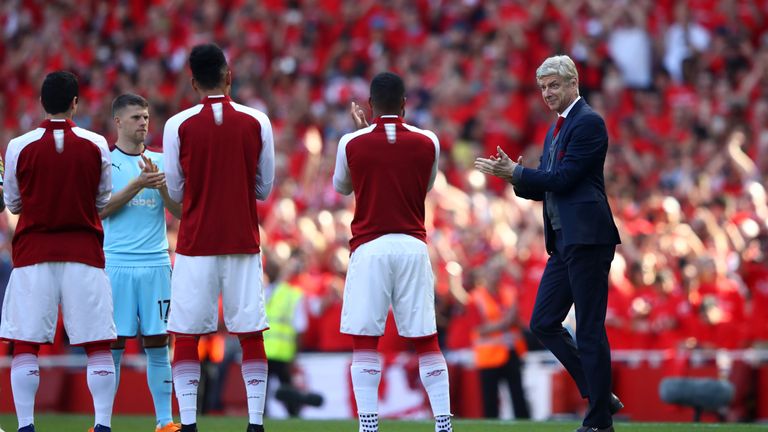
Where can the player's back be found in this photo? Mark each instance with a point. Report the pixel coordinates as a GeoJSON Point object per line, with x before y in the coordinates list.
{"type": "Point", "coordinates": [392, 166]}
{"type": "Point", "coordinates": [225, 156]}
{"type": "Point", "coordinates": [54, 177]}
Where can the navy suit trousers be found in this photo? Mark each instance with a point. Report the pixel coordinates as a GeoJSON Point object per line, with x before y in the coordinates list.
{"type": "Point", "coordinates": [578, 274]}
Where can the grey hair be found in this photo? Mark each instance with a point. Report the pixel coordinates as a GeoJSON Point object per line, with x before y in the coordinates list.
{"type": "Point", "coordinates": [561, 66]}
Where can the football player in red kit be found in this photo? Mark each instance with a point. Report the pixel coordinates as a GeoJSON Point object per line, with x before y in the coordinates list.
{"type": "Point", "coordinates": [219, 160]}
{"type": "Point", "coordinates": [57, 178]}
{"type": "Point", "coordinates": [390, 165]}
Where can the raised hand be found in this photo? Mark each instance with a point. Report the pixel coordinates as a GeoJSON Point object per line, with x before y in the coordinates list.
{"type": "Point", "coordinates": [358, 116]}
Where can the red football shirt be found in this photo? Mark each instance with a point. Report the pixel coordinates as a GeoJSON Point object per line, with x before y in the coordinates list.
{"type": "Point", "coordinates": [219, 159]}
{"type": "Point", "coordinates": [57, 178]}
{"type": "Point", "coordinates": [390, 166]}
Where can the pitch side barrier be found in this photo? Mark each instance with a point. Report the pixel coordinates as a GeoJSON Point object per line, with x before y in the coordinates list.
{"type": "Point", "coordinates": [637, 375]}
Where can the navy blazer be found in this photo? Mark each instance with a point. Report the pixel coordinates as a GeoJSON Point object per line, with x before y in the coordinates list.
{"type": "Point", "coordinates": [576, 181]}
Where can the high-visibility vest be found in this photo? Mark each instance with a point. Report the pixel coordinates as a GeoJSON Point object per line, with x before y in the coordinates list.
{"type": "Point", "coordinates": [492, 350]}
{"type": "Point", "coordinates": [280, 339]}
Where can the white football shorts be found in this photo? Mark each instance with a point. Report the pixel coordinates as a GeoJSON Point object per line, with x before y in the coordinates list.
{"type": "Point", "coordinates": [31, 304]}
{"type": "Point", "coordinates": [196, 283]}
{"type": "Point", "coordinates": [395, 270]}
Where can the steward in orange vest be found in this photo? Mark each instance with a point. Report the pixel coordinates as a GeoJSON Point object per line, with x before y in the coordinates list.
{"type": "Point", "coordinates": [499, 345]}
{"type": "Point", "coordinates": [499, 332]}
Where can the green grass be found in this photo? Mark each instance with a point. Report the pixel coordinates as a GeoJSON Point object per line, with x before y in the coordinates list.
{"type": "Point", "coordinates": [76, 423]}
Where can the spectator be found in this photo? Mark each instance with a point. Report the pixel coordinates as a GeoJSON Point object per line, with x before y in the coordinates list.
{"type": "Point", "coordinates": [683, 40]}
{"type": "Point", "coordinates": [498, 341]}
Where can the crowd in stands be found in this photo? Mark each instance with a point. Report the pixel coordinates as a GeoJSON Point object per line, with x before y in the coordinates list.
{"type": "Point", "coordinates": [682, 85]}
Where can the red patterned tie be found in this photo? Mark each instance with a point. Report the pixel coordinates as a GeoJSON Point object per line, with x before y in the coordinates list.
{"type": "Point", "coordinates": [560, 120]}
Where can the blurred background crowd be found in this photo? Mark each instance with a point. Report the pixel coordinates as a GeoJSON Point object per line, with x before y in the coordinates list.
{"type": "Point", "coordinates": [682, 85]}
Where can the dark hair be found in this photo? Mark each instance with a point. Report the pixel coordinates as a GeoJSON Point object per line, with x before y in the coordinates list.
{"type": "Point", "coordinates": [128, 99]}
{"type": "Point", "coordinates": [387, 92]}
{"type": "Point", "coordinates": [57, 92]}
{"type": "Point", "coordinates": [208, 65]}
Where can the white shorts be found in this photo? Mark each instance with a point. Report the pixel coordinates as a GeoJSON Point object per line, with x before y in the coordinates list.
{"type": "Point", "coordinates": [196, 283]}
{"type": "Point", "coordinates": [31, 305]}
{"type": "Point", "coordinates": [395, 270]}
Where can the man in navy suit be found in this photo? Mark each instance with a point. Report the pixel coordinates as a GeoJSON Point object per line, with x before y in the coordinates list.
{"type": "Point", "coordinates": [580, 234]}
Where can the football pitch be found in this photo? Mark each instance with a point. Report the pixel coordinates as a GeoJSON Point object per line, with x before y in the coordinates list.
{"type": "Point", "coordinates": [78, 423]}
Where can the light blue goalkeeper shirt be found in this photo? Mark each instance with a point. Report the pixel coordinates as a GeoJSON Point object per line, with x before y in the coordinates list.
{"type": "Point", "coordinates": [135, 236]}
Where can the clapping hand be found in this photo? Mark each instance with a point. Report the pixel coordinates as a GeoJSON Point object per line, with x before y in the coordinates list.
{"type": "Point", "coordinates": [147, 165]}
{"type": "Point", "coordinates": [150, 176]}
{"type": "Point", "coordinates": [358, 116]}
{"type": "Point", "coordinates": [498, 165]}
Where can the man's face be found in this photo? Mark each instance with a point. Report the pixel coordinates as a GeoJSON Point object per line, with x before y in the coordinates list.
{"type": "Point", "coordinates": [557, 92]}
{"type": "Point", "coordinates": [133, 123]}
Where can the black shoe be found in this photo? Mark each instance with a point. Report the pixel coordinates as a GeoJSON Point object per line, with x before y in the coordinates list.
{"type": "Point", "coordinates": [313, 399]}
{"type": "Point", "coordinates": [27, 428]}
{"type": "Point", "coordinates": [616, 404]}
{"type": "Point", "coordinates": [100, 428]}
{"type": "Point", "coordinates": [189, 427]}
{"type": "Point", "coordinates": [290, 395]}
{"type": "Point", "coordinates": [593, 429]}
{"type": "Point", "coordinates": [254, 428]}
